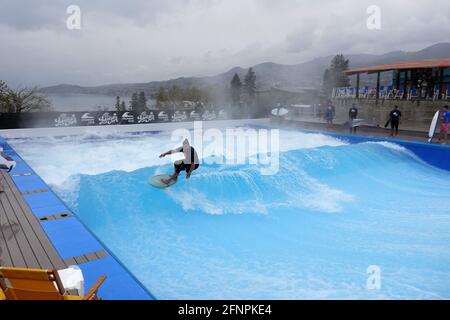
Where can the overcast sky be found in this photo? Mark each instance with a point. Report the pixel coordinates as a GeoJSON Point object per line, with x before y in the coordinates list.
{"type": "Point", "coordinates": [145, 40]}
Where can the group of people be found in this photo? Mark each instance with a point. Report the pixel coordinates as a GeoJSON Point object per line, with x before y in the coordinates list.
{"type": "Point", "coordinates": [394, 121]}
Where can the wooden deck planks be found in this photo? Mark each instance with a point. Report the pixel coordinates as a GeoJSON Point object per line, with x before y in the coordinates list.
{"type": "Point", "coordinates": [26, 243]}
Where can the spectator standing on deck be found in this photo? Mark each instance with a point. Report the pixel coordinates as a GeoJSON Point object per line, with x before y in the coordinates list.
{"type": "Point", "coordinates": [394, 118]}
{"type": "Point", "coordinates": [329, 113]}
{"type": "Point", "coordinates": [352, 115]}
{"type": "Point", "coordinates": [445, 125]}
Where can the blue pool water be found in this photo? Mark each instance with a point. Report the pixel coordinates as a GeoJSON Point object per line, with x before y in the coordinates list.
{"type": "Point", "coordinates": [310, 231]}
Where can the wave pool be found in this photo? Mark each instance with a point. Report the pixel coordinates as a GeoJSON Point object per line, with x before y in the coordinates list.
{"type": "Point", "coordinates": [310, 231]}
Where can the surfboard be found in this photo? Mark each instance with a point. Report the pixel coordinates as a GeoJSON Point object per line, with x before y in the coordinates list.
{"type": "Point", "coordinates": [280, 112]}
{"type": "Point", "coordinates": [156, 182]}
{"type": "Point", "coordinates": [433, 126]}
{"type": "Point", "coordinates": [355, 123]}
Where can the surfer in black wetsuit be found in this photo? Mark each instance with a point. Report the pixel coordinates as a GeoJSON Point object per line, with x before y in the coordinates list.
{"type": "Point", "coordinates": [352, 115]}
{"type": "Point", "coordinates": [394, 118]}
{"type": "Point", "coordinates": [189, 163]}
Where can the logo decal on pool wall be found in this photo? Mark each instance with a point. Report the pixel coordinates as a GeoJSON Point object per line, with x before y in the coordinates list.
{"type": "Point", "coordinates": [127, 117]}
{"type": "Point", "coordinates": [105, 118]}
{"type": "Point", "coordinates": [259, 147]}
{"type": "Point", "coordinates": [87, 119]}
{"type": "Point", "coordinates": [65, 121]}
{"type": "Point", "coordinates": [146, 118]}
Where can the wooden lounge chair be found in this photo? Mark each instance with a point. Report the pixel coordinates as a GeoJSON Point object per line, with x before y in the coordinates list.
{"type": "Point", "coordinates": [37, 284]}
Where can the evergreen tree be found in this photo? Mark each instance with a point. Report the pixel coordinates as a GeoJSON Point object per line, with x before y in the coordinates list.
{"type": "Point", "coordinates": [123, 107]}
{"type": "Point", "coordinates": [335, 76]}
{"type": "Point", "coordinates": [134, 102]}
{"type": "Point", "coordinates": [250, 84]}
{"type": "Point", "coordinates": [161, 97]}
{"type": "Point", "coordinates": [142, 102]}
{"type": "Point", "coordinates": [327, 84]}
{"type": "Point", "coordinates": [118, 108]}
{"type": "Point", "coordinates": [3, 95]}
{"type": "Point", "coordinates": [236, 87]}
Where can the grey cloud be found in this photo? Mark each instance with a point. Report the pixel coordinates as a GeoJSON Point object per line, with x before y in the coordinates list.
{"type": "Point", "coordinates": [140, 40]}
{"type": "Point", "coordinates": [34, 14]}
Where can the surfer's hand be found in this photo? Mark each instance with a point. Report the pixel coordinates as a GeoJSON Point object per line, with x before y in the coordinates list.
{"type": "Point", "coordinates": [188, 175]}
{"type": "Point", "coordinates": [162, 155]}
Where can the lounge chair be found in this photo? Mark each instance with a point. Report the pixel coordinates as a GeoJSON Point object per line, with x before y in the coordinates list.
{"type": "Point", "coordinates": [383, 92]}
{"type": "Point", "coordinates": [350, 92]}
{"type": "Point", "coordinates": [436, 93]}
{"type": "Point", "coordinates": [399, 93]}
{"type": "Point", "coordinates": [372, 93]}
{"type": "Point", "coordinates": [413, 93]}
{"type": "Point", "coordinates": [389, 93]}
{"type": "Point", "coordinates": [363, 92]}
{"type": "Point", "coordinates": [37, 284]}
{"type": "Point", "coordinates": [340, 92]}
{"type": "Point", "coordinates": [446, 95]}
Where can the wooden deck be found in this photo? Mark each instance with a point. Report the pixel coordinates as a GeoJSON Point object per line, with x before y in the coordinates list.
{"type": "Point", "coordinates": [23, 242]}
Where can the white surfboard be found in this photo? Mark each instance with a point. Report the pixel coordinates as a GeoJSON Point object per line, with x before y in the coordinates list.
{"type": "Point", "coordinates": [280, 112]}
{"type": "Point", "coordinates": [355, 123]}
{"type": "Point", "coordinates": [433, 126]}
{"type": "Point", "coordinates": [156, 181]}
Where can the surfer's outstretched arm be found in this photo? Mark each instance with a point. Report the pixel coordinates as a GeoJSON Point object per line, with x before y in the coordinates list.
{"type": "Point", "coordinates": [162, 155]}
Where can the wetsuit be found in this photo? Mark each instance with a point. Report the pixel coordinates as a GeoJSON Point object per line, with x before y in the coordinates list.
{"type": "Point", "coordinates": [190, 157]}
{"type": "Point", "coordinates": [395, 119]}
{"type": "Point", "coordinates": [353, 113]}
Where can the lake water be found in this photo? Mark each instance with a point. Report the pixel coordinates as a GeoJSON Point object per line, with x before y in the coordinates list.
{"type": "Point", "coordinates": [83, 102]}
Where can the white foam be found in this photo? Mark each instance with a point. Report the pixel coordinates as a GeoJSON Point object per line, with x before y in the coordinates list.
{"type": "Point", "coordinates": [303, 191]}
{"type": "Point", "coordinates": [389, 145]}
{"type": "Point", "coordinates": [57, 159]}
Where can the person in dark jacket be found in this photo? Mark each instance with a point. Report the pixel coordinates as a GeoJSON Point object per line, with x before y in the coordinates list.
{"type": "Point", "coordinates": [329, 113]}
{"type": "Point", "coordinates": [395, 118]}
{"type": "Point", "coordinates": [352, 115]}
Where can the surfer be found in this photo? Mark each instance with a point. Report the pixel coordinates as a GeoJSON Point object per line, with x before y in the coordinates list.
{"type": "Point", "coordinates": [352, 115]}
{"type": "Point", "coordinates": [189, 163]}
{"type": "Point", "coordinates": [445, 125]}
{"type": "Point", "coordinates": [394, 119]}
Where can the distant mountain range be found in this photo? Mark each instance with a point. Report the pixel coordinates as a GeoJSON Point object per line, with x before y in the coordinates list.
{"type": "Point", "coordinates": [308, 74]}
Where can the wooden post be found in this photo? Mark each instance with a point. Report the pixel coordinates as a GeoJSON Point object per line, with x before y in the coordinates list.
{"type": "Point", "coordinates": [405, 83]}
{"type": "Point", "coordinates": [357, 85]}
{"type": "Point", "coordinates": [378, 87]}
{"type": "Point", "coordinates": [397, 85]}
{"type": "Point", "coordinates": [441, 82]}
